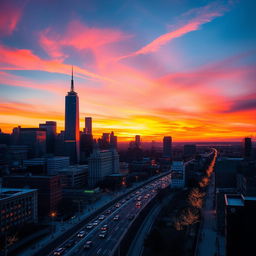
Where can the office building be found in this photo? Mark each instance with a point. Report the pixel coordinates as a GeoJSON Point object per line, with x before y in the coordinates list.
{"type": "Point", "coordinates": [17, 207]}
{"type": "Point", "coordinates": [137, 141]}
{"type": "Point", "coordinates": [72, 133]}
{"type": "Point", "coordinates": [247, 147]}
{"type": "Point", "coordinates": [167, 146]}
{"type": "Point", "coordinates": [54, 164]}
{"type": "Point", "coordinates": [35, 139]}
{"type": "Point", "coordinates": [86, 146]}
{"type": "Point", "coordinates": [17, 154]}
{"type": "Point", "coordinates": [177, 174]}
{"type": "Point", "coordinates": [113, 140]}
{"type": "Point", "coordinates": [88, 125]}
{"type": "Point", "coordinates": [35, 166]}
{"type": "Point", "coordinates": [49, 190]}
{"type": "Point", "coordinates": [240, 224]}
{"type": "Point", "coordinates": [101, 164]}
{"type": "Point", "coordinates": [50, 127]}
{"type": "Point", "coordinates": [75, 176]}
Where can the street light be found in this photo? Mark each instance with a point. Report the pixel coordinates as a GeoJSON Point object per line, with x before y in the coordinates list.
{"type": "Point", "coordinates": [53, 214]}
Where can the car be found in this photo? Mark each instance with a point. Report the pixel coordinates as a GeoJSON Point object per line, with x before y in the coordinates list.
{"type": "Point", "coordinates": [95, 223]}
{"type": "Point", "coordinates": [81, 233]}
{"type": "Point", "coordinates": [104, 227]}
{"type": "Point", "coordinates": [102, 217]}
{"type": "Point", "coordinates": [118, 205]}
{"type": "Point", "coordinates": [116, 217]}
{"type": "Point", "coordinates": [89, 226]}
{"type": "Point", "coordinates": [138, 204]}
{"type": "Point", "coordinates": [59, 251]}
{"type": "Point", "coordinates": [103, 234]}
{"type": "Point", "coordinates": [108, 211]}
{"type": "Point", "coordinates": [88, 244]}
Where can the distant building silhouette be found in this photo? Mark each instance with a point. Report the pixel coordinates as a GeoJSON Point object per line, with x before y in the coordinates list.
{"type": "Point", "coordinates": [72, 134]}
{"type": "Point", "coordinates": [189, 150]}
{"type": "Point", "coordinates": [88, 125]}
{"type": "Point", "coordinates": [137, 141]}
{"type": "Point", "coordinates": [50, 127]}
{"type": "Point", "coordinates": [35, 139]}
{"type": "Point", "coordinates": [247, 147]}
{"type": "Point", "coordinates": [167, 146]}
{"type": "Point", "coordinates": [113, 140]}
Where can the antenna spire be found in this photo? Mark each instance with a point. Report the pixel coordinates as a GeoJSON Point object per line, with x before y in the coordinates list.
{"type": "Point", "coordinates": [72, 81]}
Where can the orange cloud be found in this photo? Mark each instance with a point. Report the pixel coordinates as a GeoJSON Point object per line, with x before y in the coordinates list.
{"type": "Point", "coordinates": [23, 59]}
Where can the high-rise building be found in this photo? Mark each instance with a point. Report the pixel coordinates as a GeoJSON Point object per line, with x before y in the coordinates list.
{"type": "Point", "coordinates": [167, 146]}
{"type": "Point", "coordinates": [105, 137]}
{"type": "Point", "coordinates": [35, 139]}
{"type": "Point", "coordinates": [72, 133]}
{"type": "Point", "coordinates": [50, 127]}
{"type": "Point", "coordinates": [88, 125]}
{"type": "Point", "coordinates": [247, 147]}
{"type": "Point", "coordinates": [104, 141]}
{"type": "Point", "coordinates": [113, 140]}
{"type": "Point", "coordinates": [137, 141]}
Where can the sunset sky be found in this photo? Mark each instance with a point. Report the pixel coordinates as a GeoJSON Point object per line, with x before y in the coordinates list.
{"type": "Point", "coordinates": [183, 68]}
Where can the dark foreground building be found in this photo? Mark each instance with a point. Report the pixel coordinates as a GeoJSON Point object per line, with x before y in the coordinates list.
{"type": "Point", "coordinates": [240, 223]}
{"type": "Point", "coordinates": [49, 190]}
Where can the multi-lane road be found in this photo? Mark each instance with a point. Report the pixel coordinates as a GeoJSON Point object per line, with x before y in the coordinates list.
{"type": "Point", "coordinates": [103, 234]}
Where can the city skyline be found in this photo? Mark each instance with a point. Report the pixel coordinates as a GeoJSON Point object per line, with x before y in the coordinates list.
{"type": "Point", "coordinates": [177, 69]}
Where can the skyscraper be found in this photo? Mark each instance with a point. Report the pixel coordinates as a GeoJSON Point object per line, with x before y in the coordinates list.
{"type": "Point", "coordinates": [50, 127]}
{"type": "Point", "coordinates": [113, 140]}
{"type": "Point", "coordinates": [72, 134]}
{"type": "Point", "coordinates": [88, 125]}
{"type": "Point", "coordinates": [247, 147]}
{"type": "Point", "coordinates": [167, 146]}
{"type": "Point", "coordinates": [137, 141]}
{"type": "Point", "coordinates": [35, 139]}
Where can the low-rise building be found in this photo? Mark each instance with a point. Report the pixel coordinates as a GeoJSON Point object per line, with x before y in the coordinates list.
{"type": "Point", "coordinates": [49, 190]}
{"type": "Point", "coordinates": [17, 207]}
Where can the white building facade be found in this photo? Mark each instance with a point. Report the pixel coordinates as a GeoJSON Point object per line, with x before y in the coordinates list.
{"type": "Point", "coordinates": [102, 163]}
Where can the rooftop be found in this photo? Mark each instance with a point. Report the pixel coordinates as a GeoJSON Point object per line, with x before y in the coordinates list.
{"type": "Point", "coordinates": [11, 192]}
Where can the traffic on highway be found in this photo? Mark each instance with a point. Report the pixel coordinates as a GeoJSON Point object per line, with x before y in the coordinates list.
{"type": "Point", "coordinates": [102, 235]}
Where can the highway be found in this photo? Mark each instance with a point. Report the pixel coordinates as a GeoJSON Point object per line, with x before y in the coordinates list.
{"type": "Point", "coordinates": [102, 235]}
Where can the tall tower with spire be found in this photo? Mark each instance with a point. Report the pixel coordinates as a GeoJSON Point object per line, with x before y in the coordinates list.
{"type": "Point", "coordinates": [72, 133]}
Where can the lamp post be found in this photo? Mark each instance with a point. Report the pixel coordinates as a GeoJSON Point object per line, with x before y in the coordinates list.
{"type": "Point", "coordinates": [53, 214]}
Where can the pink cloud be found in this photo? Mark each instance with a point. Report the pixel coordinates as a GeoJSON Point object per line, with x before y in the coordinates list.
{"type": "Point", "coordinates": [10, 15]}
{"type": "Point", "coordinates": [79, 36]}
{"type": "Point", "coordinates": [24, 59]}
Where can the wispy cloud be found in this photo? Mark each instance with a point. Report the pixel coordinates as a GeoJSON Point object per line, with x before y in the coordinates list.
{"type": "Point", "coordinates": [201, 15]}
{"type": "Point", "coordinates": [10, 15]}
